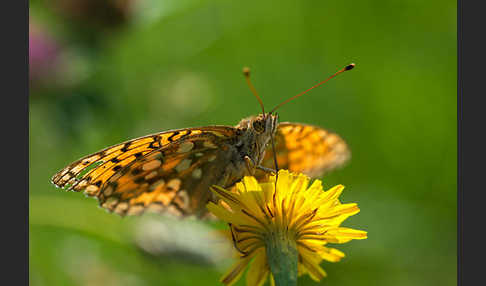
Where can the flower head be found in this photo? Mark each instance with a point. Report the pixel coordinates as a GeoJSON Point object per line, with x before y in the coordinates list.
{"type": "Point", "coordinates": [272, 222]}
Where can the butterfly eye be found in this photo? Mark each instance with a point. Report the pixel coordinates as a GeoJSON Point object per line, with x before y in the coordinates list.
{"type": "Point", "coordinates": [259, 126]}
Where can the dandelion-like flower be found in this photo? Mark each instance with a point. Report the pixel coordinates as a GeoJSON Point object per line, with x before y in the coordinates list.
{"type": "Point", "coordinates": [283, 227]}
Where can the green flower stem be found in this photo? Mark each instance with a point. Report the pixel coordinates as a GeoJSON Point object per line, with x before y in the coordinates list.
{"type": "Point", "coordinates": [282, 258]}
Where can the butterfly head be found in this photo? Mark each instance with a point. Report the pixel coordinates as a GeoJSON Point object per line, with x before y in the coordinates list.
{"type": "Point", "coordinates": [256, 133]}
{"type": "Point", "coordinates": [265, 123]}
{"type": "Point", "coordinates": [261, 125]}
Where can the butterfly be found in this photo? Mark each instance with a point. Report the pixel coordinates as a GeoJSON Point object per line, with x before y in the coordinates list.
{"type": "Point", "coordinates": [171, 171]}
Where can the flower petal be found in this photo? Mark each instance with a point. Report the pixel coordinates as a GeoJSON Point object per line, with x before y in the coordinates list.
{"type": "Point", "coordinates": [314, 270]}
{"type": "Point", "coordinates": [219, 212]}
{"type": "Point", "coordinates": [331, 254]}
{"type": "Point", "coordinates": [326, 212]}
{"type": "Point", "coordinates": [251, 184]}
{"type": "Point", "coordinates": [235, 272]}
{"type": "Point", "coordinates": [229, 197]}
{"type": "Point", "coordinates": [272, 280]}
{"type": "Point", "coordinates": [344, 234]}
{"type": "Point", "coordinates": [259, 269]}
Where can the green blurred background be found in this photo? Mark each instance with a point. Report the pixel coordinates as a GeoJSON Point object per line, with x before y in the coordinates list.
{"type": "Point", "coordinates": [102, 72]}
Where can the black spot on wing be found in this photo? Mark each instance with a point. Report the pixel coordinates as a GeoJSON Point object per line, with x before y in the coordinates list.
{"type": "Point", "coordinates": [171, 137]}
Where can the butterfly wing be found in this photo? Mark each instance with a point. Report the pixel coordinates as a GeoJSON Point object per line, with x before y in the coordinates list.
{"type": "Point", "coordinates": [162, 171]}
{"type": "Point", "coordinates": [307, 149]}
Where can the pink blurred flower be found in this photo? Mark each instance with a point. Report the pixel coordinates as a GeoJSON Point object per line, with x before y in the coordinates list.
{"type": "Point", "coordinates": [44, 51]}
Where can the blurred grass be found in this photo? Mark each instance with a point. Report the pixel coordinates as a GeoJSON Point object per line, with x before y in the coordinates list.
{"type": "Point", "coordinates": [176, 64]}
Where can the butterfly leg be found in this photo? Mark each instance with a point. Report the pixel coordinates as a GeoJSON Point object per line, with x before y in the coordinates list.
{"type": "Point", "coordinates": [250, 165]}
{"type": "Point", "coordinates": [266, 170]}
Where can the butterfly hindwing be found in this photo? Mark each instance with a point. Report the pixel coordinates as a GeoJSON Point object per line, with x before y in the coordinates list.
{"type": "Point", "coordinates": [160, 171]}
{"type": "Point", "coordinates": [306, 149]}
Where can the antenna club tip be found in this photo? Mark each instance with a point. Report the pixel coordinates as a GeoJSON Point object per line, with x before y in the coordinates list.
{"type": "Point", "coordinates": [350, 66]}
{"type": "Point", "coordinates": [246, 71]}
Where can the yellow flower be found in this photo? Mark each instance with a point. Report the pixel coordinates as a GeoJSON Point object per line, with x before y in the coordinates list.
{"type": "Point", "coordinates": [271, 226]}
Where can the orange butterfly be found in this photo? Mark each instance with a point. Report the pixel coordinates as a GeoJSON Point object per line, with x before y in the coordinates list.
{"type": "Point", "coordinates": [172, 171]}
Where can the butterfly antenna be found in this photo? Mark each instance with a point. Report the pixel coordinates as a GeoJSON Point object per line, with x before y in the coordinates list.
{"type": "Point", "coordinates": [246, 73]}
{"type": "Point", "coordinates": [346, 68]}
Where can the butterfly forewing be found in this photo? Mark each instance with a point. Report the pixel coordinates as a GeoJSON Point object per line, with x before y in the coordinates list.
{"type": "Point", "coordinates": [306, 149]}
{"type": "Point", "coordinates": [163, 171]}
{"type": "Point", "coordinates": [173, 170]}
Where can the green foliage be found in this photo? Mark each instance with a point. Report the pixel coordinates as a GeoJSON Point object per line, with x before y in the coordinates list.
{"type": "Point", "coordinates": [175, 64]}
